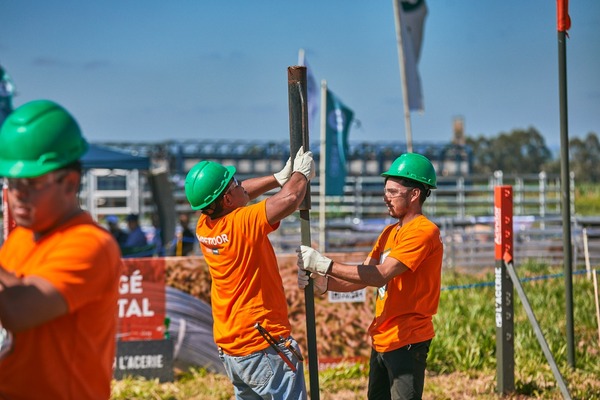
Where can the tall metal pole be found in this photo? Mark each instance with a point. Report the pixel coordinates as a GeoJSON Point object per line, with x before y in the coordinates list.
{"type": "Point", "coordinates": [401, 61]}
{"type": "Point", "coordinates": [299, 137]}
{"type": "Point", "coordinates": [565, 193]}
{"type": "Point", "coordinates": [322, 172]}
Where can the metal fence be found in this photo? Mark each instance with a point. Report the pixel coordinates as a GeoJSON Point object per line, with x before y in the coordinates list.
{"type": "Point", "coordinates": [467, 244]}
{"type": "Point", "coordinates": [535, 240]}
{"type": "Point", "coordinates": [463, 208]}
{"type": "Point", "coordinates": [459, 197]}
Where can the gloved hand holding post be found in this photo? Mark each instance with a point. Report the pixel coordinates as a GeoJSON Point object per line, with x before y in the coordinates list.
{"type": "Point", "coordinates": [303, 278]}
{"type": "Point", "coordinates": [284, 175]}
{"type": "Point", "coordinates": [304, 163]}
{"type": "Point", "coordinates": [319, 281]}
{"type": "Point", "coordinates": [311, 260]}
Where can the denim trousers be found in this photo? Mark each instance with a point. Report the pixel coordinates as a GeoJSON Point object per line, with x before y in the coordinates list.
{"type": "Point", "coordinates": [264, 375]}
{"type": "Point", "coordinates": [398, 374]}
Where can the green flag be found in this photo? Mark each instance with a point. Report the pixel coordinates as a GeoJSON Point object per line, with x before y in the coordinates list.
{"type": "Point", "coordinates": [7, 90]}
{"type": "Point", "coordinates": [339, 118]}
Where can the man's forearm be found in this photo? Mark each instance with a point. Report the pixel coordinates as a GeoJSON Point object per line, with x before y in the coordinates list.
{"type": "Point", "coordinates": [365, 275]}
{"type": "Point", "coordinates": [259, 185]}
{"type": "Point", "coordinates": [28, 302]}
{"type": "Point", "coordinates": [338, 285]}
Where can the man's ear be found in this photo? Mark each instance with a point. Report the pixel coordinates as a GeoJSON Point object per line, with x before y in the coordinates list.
{"type": "Point", "coordinates": [72, 180]}
{"type": "Point", "coordinates": [417, 193]}
{"type": "Point", "coordinates": [227, 202]}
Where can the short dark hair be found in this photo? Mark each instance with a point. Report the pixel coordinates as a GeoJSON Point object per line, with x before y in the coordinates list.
{"type": "Point", "coordinates": [73, 166]}
{"type": "Point", "coordinates": [425, 190]}
{"type": "Point", "coordinates": [412, 184]}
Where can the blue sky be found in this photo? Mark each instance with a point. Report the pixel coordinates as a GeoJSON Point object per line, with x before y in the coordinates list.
{"type": "Point", "coordinates": [206, 69]}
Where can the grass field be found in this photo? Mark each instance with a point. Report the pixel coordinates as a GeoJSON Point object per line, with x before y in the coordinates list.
{"type": "Point", "coordinates": [587, 199]}
{"type": "Point", "coordinates": [462, 362]}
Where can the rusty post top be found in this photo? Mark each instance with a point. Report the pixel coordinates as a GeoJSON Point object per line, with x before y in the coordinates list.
{"type": "Point", "coordinates": [296, 73]}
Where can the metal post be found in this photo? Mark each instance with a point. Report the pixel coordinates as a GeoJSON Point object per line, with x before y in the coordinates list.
{"type": "Point", "coordinates": [504, 303]}
{"type": "Point", "coordinates": [566, 198]}
{"type": "Point", "coordinates": [542, 197]}
{"type": "Point", "coordinates": [299, 137]}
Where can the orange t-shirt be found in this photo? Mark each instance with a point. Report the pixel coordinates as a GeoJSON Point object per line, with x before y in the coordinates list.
{"type": "Point", "coordinates": [69, 357]}
{"type": "Point", "coordinates": [406, 304]}
{"type": "Point", "coordinates": [246, 284]}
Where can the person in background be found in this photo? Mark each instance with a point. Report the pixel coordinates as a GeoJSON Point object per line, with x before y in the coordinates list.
{"type": "Point", "coordinates": [157, 238]}
{"type": "Point", "coordinates": [112, 221]}
{"type": "Point", "coordinates": [247, 298]}
{"type": "Point", "coordinates": [136, 237]}
{"type": "Point", "coordinates": [59, 269]}
{"type": "Point", "coordinates": [405, 265]}
{"type": "Point", "coordinates": [185, 244]}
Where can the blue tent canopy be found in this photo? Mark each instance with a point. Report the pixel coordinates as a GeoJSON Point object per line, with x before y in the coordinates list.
{"type": "Point", "coordinates": [103, 157]}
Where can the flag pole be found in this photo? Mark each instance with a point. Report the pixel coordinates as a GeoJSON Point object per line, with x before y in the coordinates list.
{"type": "Point", "coordinates": [563, 24]}
{"type": "Point", "coordinates": [322, 166]}
{"type": "Point", "coordinates": [401, 61]}
{"type": "Point", "coordinates": [301, 55]}
{"type": "Point", "coordinates": [298, 115]}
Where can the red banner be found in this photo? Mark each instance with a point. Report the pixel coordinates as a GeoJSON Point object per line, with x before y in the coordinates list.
{"type": "Point", "coordinates": [562, 13]}
{"type": "Point", "coordinates": [142, 299]}
{"type": "Point", "coordinates": [7, 219]}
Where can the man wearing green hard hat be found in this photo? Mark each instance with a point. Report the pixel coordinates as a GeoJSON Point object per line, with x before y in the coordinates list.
{"type": "Point", "coordinates": [251, 326]}
{"type": "Point", "coordinates": [405, 265]}
{"type": "Point", "coordinates": [59, 270]}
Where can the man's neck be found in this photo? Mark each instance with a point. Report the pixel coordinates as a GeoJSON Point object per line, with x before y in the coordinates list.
{"type": "Point", "coordinates": [59, 222]}
{"type": "Point", "coordinates": [408, 217]}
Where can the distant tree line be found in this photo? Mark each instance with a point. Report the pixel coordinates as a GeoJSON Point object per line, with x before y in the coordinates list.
{"type": "Point", "coordinates": [525, 151]}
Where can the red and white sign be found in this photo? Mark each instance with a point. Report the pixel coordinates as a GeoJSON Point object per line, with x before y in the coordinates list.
{"type": "Point", "coordinates": [503, 222]}
{"type": "Point", "coordinates": [141, 304]}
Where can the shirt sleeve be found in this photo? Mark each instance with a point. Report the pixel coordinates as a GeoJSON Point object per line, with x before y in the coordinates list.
{"type": "Point", "coordinates": [254, 219]}
{"type": "Point", "coordinates": [413, 246]}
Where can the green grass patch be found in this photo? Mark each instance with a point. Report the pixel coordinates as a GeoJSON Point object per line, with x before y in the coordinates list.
{"type": "Point", "coordinates": [587, 199]}
{"type": "Point", "coordinates": [465, 329]}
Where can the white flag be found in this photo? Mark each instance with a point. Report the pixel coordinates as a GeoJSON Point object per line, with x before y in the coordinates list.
{"type": "Point", "coordinates": [312, 89]}
{"type": "Point", "coordinates": [410, 20]}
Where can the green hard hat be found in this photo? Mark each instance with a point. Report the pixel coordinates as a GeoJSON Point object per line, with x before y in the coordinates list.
{"type": "Point", "coordinates": [205, 182]}
{"type": "Point", "coordinates": [415, 167]}
{"type": "Point", "coordinates": [39, 137]}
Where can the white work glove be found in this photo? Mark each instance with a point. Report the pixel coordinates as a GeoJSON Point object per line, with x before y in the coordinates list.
{"type": "Point", "coordinates": [311, 260]}
{"type": "Point", "coordinates": [319, 282]}
{"type": "Point", "coordinates": [284, 175]}
{"type": "Point", "coordinates": [304, 163]}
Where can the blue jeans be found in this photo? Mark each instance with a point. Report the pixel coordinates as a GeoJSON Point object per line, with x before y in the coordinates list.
{"type": "Point", "coordinates": [264, 375]}
{"type": "Point", "coordinates": [398, 374]}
